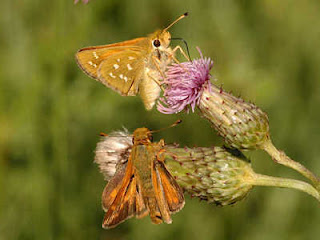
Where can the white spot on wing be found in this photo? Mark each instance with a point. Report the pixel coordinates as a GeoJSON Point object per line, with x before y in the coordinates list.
{"type": "Point", "coordinates": [92, 64]}
{"type": "Point", "coordinates": [129, 67]}
{"type": "Point", "coordinates": [95, 55]}
{"type": "Point", "coordinates": [111, 75]}
{"type": "Point", "coordinates": [131, 58]}
{"type": "Point", "coordinates": [115, 66]}
{"type": "Point", "coordinates": [118, 60]}
{"type": "Point", "coordinates": [125, 78]}
{"type": "Point", "coordinates": [121, 76]}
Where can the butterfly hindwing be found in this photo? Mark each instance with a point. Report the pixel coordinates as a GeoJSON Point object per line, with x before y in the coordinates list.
{"type": "Point", "coordinates": [94, 61]}
{"type": "Point", "coordinates": [89, 58]}
{"type": "Point", "coordinates": [122, 71]}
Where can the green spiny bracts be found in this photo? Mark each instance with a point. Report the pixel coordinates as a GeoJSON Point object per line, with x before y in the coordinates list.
{"type": "Point", "coordinates": [243, 125]}
{"type": "Point", "coordinates": [213, 174]}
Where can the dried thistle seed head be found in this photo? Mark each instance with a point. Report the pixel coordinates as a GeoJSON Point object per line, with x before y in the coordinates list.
{"type": "Point", "coordinates": [242, 125]}
{"type": "Point", "coordinates": [112, 149]}
{"type": "Point", "coordinates": [213, 174]}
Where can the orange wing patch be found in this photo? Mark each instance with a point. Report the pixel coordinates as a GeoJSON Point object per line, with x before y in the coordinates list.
{"type": "Point", "coordinates": [171, 190]}
{"type": "Point", "coordinates": [159, 194]}
{"type": "Point", "coordinates": [121, 198]}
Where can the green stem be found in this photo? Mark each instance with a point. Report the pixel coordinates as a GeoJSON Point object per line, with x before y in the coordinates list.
{"type": "Point", "coordinates": [281, 158]}
{"type": "Point", "coordinates": [264, 180]}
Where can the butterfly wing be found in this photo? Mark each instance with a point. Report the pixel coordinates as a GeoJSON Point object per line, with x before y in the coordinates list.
{"type": "Point", "coordinates": [90, 58]}
{"type": "Point", "coordinates": [172, 192]}
{"type": "Point", "coordinates": [122, 71]}
{"type": "Point", "coordinates": [100, 63]}
{"type": "Point", "coordinates": [113, 187]}
{"type": "Point", "coordinates": [121, 198]}
{"type": "Point", "coordinates": [159, 194]}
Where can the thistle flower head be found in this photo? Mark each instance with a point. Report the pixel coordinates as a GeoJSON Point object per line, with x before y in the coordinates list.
{"type": "Point", "coordinates": [242, 125]}
{"type": "Point", "coordinates": [184, 85]}
{"type": "Point", "coordinates": [112, 150]}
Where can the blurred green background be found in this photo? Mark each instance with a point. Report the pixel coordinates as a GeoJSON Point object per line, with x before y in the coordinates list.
{"type": "Point", "coordinates": [51, 113]}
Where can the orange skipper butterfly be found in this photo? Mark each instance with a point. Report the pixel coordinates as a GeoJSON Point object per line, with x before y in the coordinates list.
{"type": "Point", "coordinates": [133, 66]}
{"type": "Point", "coordinates": [141, 183]}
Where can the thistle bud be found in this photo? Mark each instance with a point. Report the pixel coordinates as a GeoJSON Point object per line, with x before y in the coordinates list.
{"type": "Point", "coordinates": [213, 174]}
{"type": "Point", "coordinates": [242, 125]}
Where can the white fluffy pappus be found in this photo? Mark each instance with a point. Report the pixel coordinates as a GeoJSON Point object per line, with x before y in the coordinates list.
{"type": "Point", "coordinates": [112, 150]}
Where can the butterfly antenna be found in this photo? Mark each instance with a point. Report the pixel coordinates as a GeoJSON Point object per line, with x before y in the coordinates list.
{"type": "Point", "coordinates": [172, 125]}
{"type": "Point", "coordinates": [175, 21]}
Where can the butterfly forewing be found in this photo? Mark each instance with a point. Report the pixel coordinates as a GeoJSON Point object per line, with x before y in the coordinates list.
{"type": "Point", "coordinates": [171, 190]}
{"type": "Point", "coordinates": [161, 201]}
{"type": "Point", "coordinates": [112, 188]}
{"type": "Point", "coordinates": [121, 198]}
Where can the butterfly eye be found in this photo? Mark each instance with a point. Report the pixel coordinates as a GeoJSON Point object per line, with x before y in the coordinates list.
{"type": "Point", "coordinates": [156, 43]}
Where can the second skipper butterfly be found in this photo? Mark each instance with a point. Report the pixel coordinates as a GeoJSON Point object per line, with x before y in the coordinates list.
{"type": "Point", "coordinates": [141, 184]}
{"type": "Point", "coordinates": [133, 66]}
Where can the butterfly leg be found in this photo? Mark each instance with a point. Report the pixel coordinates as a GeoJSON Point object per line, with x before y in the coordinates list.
{"type": "Point", "coordinates": [182, 52]}
{"type": "Point", "coordinates": [160, 157]}
{"type": "Point", "coordinates": [157, 63]}
{"type": "Point", "coordinates": [176, 60]}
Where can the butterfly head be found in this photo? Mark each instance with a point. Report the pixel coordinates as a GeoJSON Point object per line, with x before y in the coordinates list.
{"type": "Point", "coordinates": [161, 39]}
{"type": "Point", "coordinates": [142, 136]}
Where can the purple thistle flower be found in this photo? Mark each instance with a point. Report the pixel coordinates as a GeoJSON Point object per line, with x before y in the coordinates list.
{"type": "Point", "coordinates": [184, 85]}
{"type": "Point", "coordinates": [84, 1]}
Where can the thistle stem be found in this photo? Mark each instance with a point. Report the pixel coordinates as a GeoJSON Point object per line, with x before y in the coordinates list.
{"type": "Point", "coordinates": [264, 180]}
{"type": "Point", "coordinates": [281, 158]}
